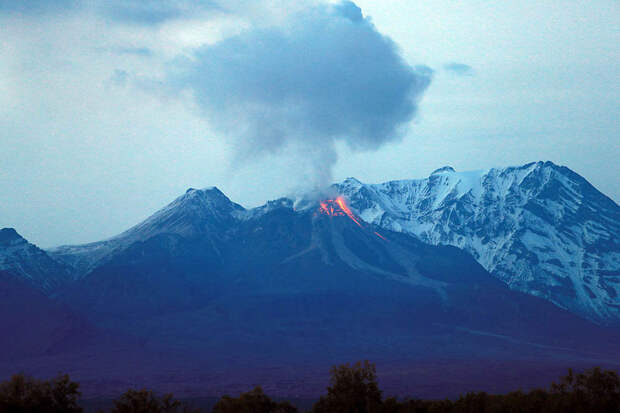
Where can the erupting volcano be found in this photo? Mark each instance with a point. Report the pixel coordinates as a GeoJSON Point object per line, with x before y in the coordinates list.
{"type": "Point", "coordinates": [337, 207]}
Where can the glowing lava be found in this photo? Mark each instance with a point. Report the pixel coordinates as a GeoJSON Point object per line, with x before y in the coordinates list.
{"type": "Point", "coordinates": [337, 207]}
{"type": "Point", "coordinates": [380, 236]}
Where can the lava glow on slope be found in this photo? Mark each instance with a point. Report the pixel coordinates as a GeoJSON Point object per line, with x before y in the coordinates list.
{"type": "Point", "coordinates": [337, 207]}
{"type": "Point", "coordinates": [380, 236]}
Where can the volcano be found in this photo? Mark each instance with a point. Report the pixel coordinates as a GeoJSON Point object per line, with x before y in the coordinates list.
{"type": "Point", "coordinates": [337, 207]}
{"type": "Point", "coordinates": [220, 298]}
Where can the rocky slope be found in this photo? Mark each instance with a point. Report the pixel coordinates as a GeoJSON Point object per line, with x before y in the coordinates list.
{"type": "Point", "coordinates": [24, 261]}
{"type": "Point", "coordinates": [541, 228]}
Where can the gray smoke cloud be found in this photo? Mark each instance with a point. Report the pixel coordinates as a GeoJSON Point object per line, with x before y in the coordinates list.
{"type": "Point", "coordinates": [327, 76]}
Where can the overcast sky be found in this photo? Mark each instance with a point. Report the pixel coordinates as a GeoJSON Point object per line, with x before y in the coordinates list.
{"type": "Point", "coordinates": [109, 109]}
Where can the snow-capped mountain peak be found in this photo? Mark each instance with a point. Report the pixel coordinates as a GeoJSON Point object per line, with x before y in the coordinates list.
{"type": "Point", "coordinates": [540, 227]}
{"type": "Point", "coordinates": [198, 212]}
{"type": "Point", "coordinates": [195, 212]}
{"type": "Point", "coordinates": [24, 261]}
{"type": "Point", "coordinates": [443, 169]}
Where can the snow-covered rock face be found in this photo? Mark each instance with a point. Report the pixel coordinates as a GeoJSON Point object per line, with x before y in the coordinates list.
{"type": "Point", "coordinates": [198, 212]}
{"type": "Point", "coordinates": [541, 228]}
{"type": "Point", "coordinates": [24, 261]}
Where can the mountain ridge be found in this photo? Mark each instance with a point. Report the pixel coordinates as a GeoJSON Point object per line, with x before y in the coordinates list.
{"type": "Point", "coordinates": [540, 212]}
{"type": "Point", "coordinates": [185, 216]}
{"type": "Point", "coordinates": [204, 285]}
{"type": "Point", "coordinates": [540, 228]}
{"type": "Point", "coordinates": [23, 261]}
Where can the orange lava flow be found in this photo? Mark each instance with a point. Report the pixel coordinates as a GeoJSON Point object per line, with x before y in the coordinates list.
{"type": "Point", "coordinates": [342, 204]}
{"type": "Point", "coordinates": [337, 207]}
{"type": "Point", "coordinates": [380, 236]}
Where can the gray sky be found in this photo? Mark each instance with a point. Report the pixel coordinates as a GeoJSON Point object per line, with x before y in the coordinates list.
{"type": "Point", "coordinates": [110, 109]}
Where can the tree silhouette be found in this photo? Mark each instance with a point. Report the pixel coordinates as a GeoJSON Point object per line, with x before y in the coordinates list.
{"type": "Point", "coordinates": [594, 390]}
{"type": "Point", "coordinates": [353, 389]}
{"type": "Point", "coordinates": [254, 401]}
{"type": "Point", "coordinates": [23, 394]}
{"type": "Point", "coordinates": [145, 401]}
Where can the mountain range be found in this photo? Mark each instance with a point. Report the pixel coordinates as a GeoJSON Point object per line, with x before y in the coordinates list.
{"type": "Point", "coordinates": [540, 228]}
{"type": "Point", "coordinates": [441, 281]}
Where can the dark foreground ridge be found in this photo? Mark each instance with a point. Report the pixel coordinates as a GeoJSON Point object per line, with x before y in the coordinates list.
{"type": "Point", "coordinates": [352, 389]}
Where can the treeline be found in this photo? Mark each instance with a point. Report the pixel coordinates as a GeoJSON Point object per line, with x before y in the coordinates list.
{"type": "Point", "coordinates": [353, 389]}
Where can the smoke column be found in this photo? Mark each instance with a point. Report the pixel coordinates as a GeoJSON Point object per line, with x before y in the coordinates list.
{"type": "Point", "coordinates": [325, 76]}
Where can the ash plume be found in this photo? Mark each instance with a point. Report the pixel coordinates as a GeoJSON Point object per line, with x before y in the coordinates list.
{"type": "Point", "coordinates": [326, 76]}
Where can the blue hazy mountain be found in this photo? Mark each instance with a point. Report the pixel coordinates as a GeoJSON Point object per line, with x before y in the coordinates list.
{"type": "Point", "coordinates": [540, 228]}
{"type": "Point", "coordinates": [218, 296]}
{"type": "Point", "coordinates": [31, 321]}
{"type": "Point", "coordinates": [23, 261]}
